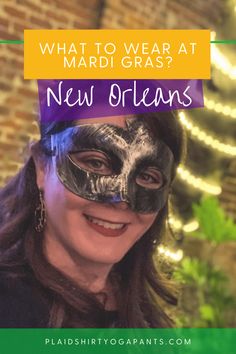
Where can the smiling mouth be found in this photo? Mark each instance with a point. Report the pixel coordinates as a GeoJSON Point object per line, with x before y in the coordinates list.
{"type": "Point", "coordinates": [105, 227]}
{"type": "Point", "coordinates": [106, 224]}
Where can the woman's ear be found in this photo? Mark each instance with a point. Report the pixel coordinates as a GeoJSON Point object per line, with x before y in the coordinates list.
{"type": "Point", "coordinates": [40, 164]}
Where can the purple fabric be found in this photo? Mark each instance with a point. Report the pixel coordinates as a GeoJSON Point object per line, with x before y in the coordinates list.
{"type": "Point", "coordinates": [63, 100]}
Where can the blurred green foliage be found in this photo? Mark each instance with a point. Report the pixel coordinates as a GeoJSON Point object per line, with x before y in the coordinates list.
{"type": "Point", "coordinates": [208, 289]}
{"type": "Point", "coordinates": [206, 298]}
{"type": "Point", "coordinates": [214, 224]}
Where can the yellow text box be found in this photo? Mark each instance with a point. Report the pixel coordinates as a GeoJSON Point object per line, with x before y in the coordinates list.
{"type": "Point", "coordinates": [117, 54]}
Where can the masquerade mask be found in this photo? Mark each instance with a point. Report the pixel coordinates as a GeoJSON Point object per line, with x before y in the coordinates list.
{"type": "Point", "coordinates": [107, 163]}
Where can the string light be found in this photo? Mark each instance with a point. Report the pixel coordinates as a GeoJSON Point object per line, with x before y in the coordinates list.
{"type": "Point", "coordinates": [191, 226]}
{"type": "Point", "coordinates": [197, 182]}
{"type": "Point", "coordinates": [220, 108]}
{"type": "Point", "coordinates": [205, 138]}
{"type": "Point", "coordinates": [178, 225]}
{"type": "Point", "coordinates": [175, 256]}
{"type": "Point", "coordinates": [220, 61]}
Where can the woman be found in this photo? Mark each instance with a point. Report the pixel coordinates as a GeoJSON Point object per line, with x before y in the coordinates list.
{"type": "Point", "coordinates": [81, 221]}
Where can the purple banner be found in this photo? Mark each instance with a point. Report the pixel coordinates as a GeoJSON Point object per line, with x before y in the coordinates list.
{"type": "Point", "coordinates": [63, 100]}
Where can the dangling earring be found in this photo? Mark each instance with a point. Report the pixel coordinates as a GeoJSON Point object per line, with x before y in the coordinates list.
{"type": "Point", "coordinates": [40, 214]}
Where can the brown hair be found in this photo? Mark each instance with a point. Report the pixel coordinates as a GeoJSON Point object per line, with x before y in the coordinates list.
{"type": "Point", "coordinates": [141, 285]}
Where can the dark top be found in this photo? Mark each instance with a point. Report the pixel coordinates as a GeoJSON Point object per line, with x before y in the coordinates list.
{"type": "Point", "coordinates": [24, 303]}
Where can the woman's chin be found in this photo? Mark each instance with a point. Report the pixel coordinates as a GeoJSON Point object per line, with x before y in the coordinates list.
{"type": "Point", "coordinates": [105, 259]}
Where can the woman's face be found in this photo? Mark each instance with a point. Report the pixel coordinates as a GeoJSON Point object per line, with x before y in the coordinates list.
{"type": "Point", "coordinates": [98, 232]}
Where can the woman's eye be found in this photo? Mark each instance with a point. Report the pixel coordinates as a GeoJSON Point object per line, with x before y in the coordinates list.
{"type": "Point", "coordinates": [150, 178]}
{"type": "Point", "coordinates": [95, 163]}
{"type": "Point", "coordinates": [92, 161]}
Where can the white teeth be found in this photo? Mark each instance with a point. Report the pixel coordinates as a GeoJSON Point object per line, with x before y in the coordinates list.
{"type": "Point", "coordinates": [105, 224]}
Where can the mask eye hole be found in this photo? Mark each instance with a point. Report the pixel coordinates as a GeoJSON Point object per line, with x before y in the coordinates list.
{"type": "Point", "coordinates": [151, 178]}
{"type": "Point", "coordinates": [92, 161]}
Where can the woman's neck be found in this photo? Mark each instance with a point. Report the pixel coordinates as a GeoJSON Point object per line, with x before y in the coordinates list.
{"type": "Point", "coordinates": [88, 274]}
